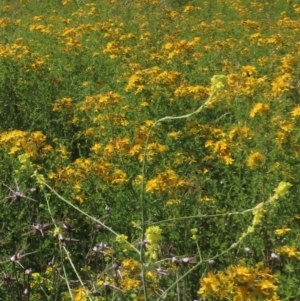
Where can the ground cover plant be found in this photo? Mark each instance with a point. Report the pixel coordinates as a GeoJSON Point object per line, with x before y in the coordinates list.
{"type": "Point", "coordinates": [149, 150]}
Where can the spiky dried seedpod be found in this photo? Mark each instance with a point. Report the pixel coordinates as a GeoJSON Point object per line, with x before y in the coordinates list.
{"type": "Point", "coordinates": [274, 256]}
{"type": "Point", "coordinates": [115, 266]}
{"type": "Point", "coordinates": [64, 239]}
{"type": "Point", "coordinates": [248, 250]}
{"type": "Point", "coordinates": [102, 246]}
{"type": "Point", "coordinates": [108, 288]}
{"type": "Point", "coordinates": [40, 227]}
{"type": "Point", "coordinates": [185, 260]}
{"type": "Point", "coordinates": [67, 227]}
{"type": "Point", "coordinates": [16, 258]}
{"type": "Point", "coordinates": [116, 276]}
{"type": "Point", "coordinates": [162, 271]}
{"type": "Point", "coordinates": [52, 262]}
{"type": "Point", "coordinates": [99, 227]}
{"type": "Point", "coordinates": [175, 261]}
{"type": "Point", "coordinates": [95, 292]}
{"type": "Point", "coordinates": [8, 279]}
{"type": "Point", "coordinates": [188, 260]}
{"type": "Point", "coordinates": [96, 249]}
{"type": "Point", "coordinates": [17, 195]}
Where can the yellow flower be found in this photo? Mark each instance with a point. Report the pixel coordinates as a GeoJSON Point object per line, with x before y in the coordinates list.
{"type": "Point", "coordinates": [47, 148]}
{"type": "Point", "coordinates": [4, 22]}
{"type": "Point", "coordinates": [209, 285]}
{"type": "Point", "coordinates": [136, 224]}
{"type": "Point", "coordinates": [267, 287]}
{"type": "Point", "coordinates": [153, 236]}
{"type": "Point", "coordinates": [281, 83]}
{"type": "Point", "coordinates": [96, 148]}
{"type": "Point", "coordinates": [62, 151]}
{"type": "Point", "coordinates": [258, 214]}
{"type": "Point", "coordinates": [144, 104]}
{"type": "Point", "coordinates": [238, 283]}
{"type": "Point", "coordinates": [81, 294]}
{"type": "Point", "coordinates": [227, 159]}
{"type": "Point", "coordinates": [131, 265]}
{"type": "Point", "coordinates": [286, 126]}
{"type": "Point", "coordinates": [39, 179]}
{"type": "Point", "coordinates": [38, 63]}
{"type": "Point", "coordinates": [259, 108]}
{"type": "Point", "coordinates": [290, 251]}
{"type": "Point", "coordinates": [63, 105]}
{"type": "Point", "coordinates": [135, 150]}
{"type": "Point", "coordinates": [49, 270]}
{"type": "Point", "coordinates": [248, 70]}
{"type": "Point", "coordinates": [217, 83]}
{"type": "Point", "coordinates": [51, 175]}
{"type": "Point", "coordinates": [255, 159]}
{"type": "Point", "coordinates": [296, 112]}
{"type": "Point", "coordinates": [77, 186]}
{"type": "Point", "coordinates": [121, 238]}
{"type": "Point", "coordinates": [6, 8]}
{"type": "Point", "coordinates": [129, 284]}
{"type": "Point", "coordinates": [119, 177]}
{"type": "Point", "coordinates": [174, 135]}
{"type": "Point", "coordinates": [243, 274]}
{"type": "Point", "coordinates": [13, 150]}
{"type": "Point", "coordinates": [168, 179]}
{"type": "Point", "coordinates": [194, 232]}
{"type": "Point", "coordinates": [282, 189]}
{"type": "Point", "coordinates": [282, 231]}
{"type": "Point", "coordinates": [190, 8]}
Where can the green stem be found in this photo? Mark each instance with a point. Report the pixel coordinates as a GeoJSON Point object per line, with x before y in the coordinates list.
{"type": "Point", "coordinates": [143, 211]}
{"type": "Point", "coordinates": [74, 269]}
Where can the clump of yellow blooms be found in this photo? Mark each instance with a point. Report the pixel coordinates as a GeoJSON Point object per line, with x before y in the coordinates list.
{"type": "Point", "coordinates": [255, 159]}
{"type": "Point", "coordinates": [32, 144]}
{"type": "Point", "coordinates": [153, 236]}
{"type": "Point", "coordinates": [259, 108]}
{"type": "Point", "coordinates": [289, 251]}
{"type": "Point", "coordinates": [282, 231]}
{"type": "Point", "coordinates": [240, 282]}
{"type": "Point", "coordinates": [122, 240]}
{"type": "Point", "coordinates": [167, 180]}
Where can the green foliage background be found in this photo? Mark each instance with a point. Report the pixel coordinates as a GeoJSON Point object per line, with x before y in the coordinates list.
{"type": "Point", "coordinates": [81, 85]}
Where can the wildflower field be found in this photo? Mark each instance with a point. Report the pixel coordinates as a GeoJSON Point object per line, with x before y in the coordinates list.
{"type": "Point", "coordinates": [150, 150]}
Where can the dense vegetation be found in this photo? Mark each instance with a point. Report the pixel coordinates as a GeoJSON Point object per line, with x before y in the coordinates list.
{"type": "Point", "coordinates": [105, 196]}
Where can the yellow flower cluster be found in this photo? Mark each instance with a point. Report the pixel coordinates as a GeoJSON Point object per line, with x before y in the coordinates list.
{"type": "Point", "coordinates": [153, 236]}
{"type": "Point", "coordinates": [31, 143]}
{"type": "Point", "coordinates": [165, 181]}
{"type": "Point", "coordinates": [289, 251]}
{"type": "Point", "coordinates": [255, 159]}
{"type": "Point", "coordinates": [222, 149]}
{"type": "Point", "coordinates": [240, 282]}
{"type": "Point", "coordinates": [130, 274]}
